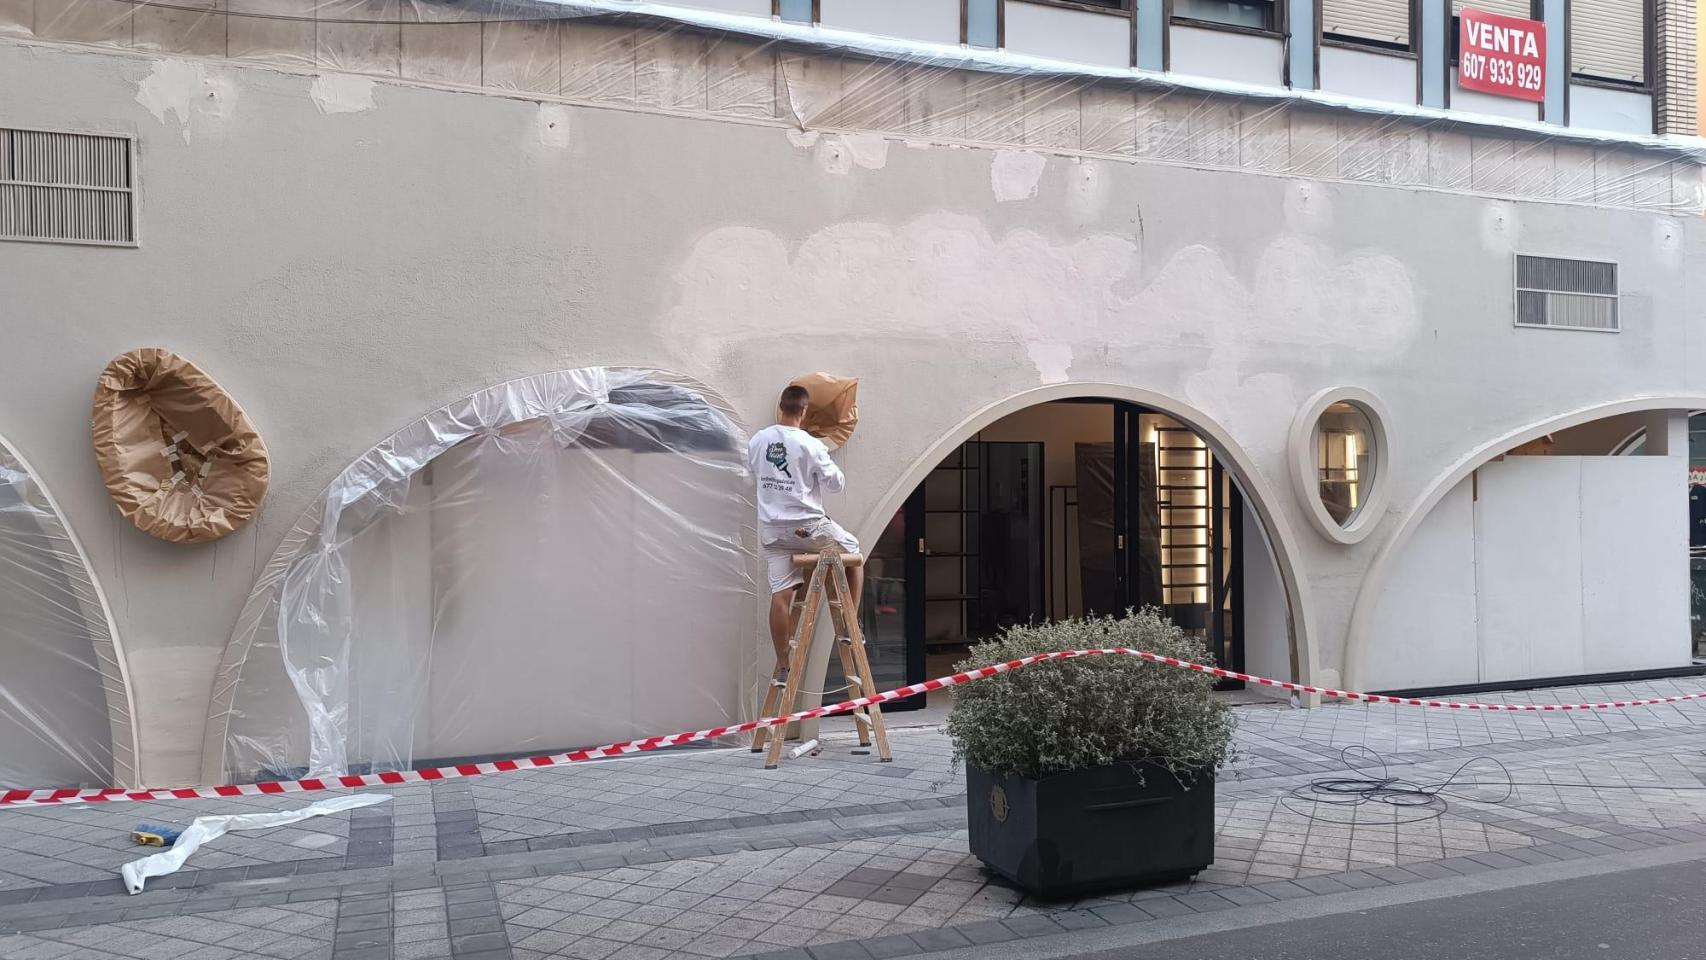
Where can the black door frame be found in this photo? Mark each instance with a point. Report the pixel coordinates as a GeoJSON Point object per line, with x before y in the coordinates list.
{"type": "Point", "coordinates": [1226, 586]}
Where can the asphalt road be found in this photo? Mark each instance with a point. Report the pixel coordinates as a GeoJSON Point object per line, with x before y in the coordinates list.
{"type": "Point", "coordinates": [1657, 913]}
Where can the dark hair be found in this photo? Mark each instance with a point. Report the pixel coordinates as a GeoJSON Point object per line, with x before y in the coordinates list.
{"type": "Point", "coordinates": [794, 400]}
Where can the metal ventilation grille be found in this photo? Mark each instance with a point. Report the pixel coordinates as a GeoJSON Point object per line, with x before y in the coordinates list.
{"type": "Point", "coordinates": [70, 187]}
{"type": "Point", "coordinates": [1574, 294]}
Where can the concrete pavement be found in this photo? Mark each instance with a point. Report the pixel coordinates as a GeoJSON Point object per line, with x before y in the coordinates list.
{"type": "Point", "coordinates": [703, 853]}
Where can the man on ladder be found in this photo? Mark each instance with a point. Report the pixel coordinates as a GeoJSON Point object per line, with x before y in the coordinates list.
{"type": "Point", "coordinates": [794, 471]}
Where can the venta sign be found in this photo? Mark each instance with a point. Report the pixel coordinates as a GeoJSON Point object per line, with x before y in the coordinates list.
{"type": "Point", "coordinates": [1504, 56]}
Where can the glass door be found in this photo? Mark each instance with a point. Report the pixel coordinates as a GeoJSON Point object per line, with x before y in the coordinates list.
{"type": "Point", "coordinates": [891, 613]}
{"type": "Point", "coordinates": [1012, 551]}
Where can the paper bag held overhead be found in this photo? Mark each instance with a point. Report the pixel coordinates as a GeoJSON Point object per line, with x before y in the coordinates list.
{"type": "Point", "coordinates": [834, 410]}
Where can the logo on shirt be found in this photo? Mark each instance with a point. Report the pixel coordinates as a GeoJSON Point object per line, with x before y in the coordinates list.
{"type": "Point", "coordinates": [777, 456]}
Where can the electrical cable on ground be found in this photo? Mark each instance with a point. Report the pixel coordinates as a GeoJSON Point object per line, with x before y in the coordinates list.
{"type": "Point", "coordinates": [1428, 800]}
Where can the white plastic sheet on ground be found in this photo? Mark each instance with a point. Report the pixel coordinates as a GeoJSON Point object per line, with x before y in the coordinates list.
{"type": "Point", "coordinates": [633, 54]}
{"type": "Point", "coordinates": [554, 562]}
{"type": "Point", "coordinates": [206, 829]}
{"type": "Point", "coordinates": [65, 714]}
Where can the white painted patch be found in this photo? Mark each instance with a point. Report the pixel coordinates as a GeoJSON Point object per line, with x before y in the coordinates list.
{"type": "Point", "coordinates": [834, 156]}
{"type": "Point", "coordinates": [1667, 241]}
{"type": "Point", "coordinates": [838, 154]}
{"type": "Point", "coordinates": [1498, 227]}
{"type": "Point", "coordinates": [1013, 174]}
{"type": "Point", "coordinates": [342, 93]}
{"type": "Point", "coordinates": [184, 90]}
{"type": "Point", "coordinates": [1307, 207]}
{"type": "Point", "coordinates": [804, 139]}
{"type": "Point", "coordinates": [1087, 191]}
{"type": "Point", "coordinates": [553, 125]}
{"type": "Point", "coordinates": [1054, 304]}
{"type": "Point", "coordinates": [869, 150]}
{"type": "Point", "coordinates": [1053, 360]}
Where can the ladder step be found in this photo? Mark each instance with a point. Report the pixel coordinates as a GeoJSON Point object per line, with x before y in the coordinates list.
{"type": "Point", "coordinates": [841, 604]}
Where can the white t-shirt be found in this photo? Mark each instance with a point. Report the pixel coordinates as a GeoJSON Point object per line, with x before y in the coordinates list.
{"type": "Point", "coordinates": [793, 471]}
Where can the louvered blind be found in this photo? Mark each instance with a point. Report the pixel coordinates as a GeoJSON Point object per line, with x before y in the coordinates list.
{"type": "Point", "coordinates": [1508, 8]}
{"type": "Point", "coordinates": [1554, 292]}
{"type": "Point", "coordinates": [1385, 20]}
{"type": "Point", "coordinates": [1608, 39]}
{"type": "Point", "coordinates": [65, 186]}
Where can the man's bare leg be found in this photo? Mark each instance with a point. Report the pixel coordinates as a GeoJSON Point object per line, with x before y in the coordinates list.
{"type": "Point", "coordinates": [780, 604]}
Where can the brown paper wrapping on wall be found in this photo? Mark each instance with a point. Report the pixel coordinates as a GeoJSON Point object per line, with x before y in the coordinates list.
{"type": "Point", "coordinates": [834, 410]}
{"type": "Point", "coordinates": [218, 477]}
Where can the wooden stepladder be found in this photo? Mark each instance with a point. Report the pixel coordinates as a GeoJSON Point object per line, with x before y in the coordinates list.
{"type": "Point", "coordinates": [827, 583]}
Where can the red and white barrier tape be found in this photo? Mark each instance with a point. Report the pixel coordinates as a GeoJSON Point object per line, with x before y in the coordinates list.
{"type": "Point", "coordinates": [40, 797]}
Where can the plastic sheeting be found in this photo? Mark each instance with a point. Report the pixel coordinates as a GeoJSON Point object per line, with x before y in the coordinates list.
{"type": "Point", "coordinates": [555, 562]}
{"type": "Point", "coordinates": [676, 59]}
{"type": "Point", "coordinates": [65, 712]}
{"type": "Point", "coordinates": [202, 830]}
{"type": "Point", "coordinates": [180, 458]}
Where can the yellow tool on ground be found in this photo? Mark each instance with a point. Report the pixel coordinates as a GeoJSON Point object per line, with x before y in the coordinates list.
{"type": "Point", "coordinates": [149, 835]}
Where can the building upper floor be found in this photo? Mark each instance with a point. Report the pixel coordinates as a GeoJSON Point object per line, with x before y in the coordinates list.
{"type": "Point", "coordinates": [844, 85]}
{"type": "Point", "coordinates": [1621, 66]}
{"type": "Point", "coordinates": [1618, 65]}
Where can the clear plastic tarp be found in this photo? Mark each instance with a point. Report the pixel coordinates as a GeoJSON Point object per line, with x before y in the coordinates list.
{"type": "Point", "coordinates": [555, 562]}
{"type": "Point", "coordinates": [686, 60]}
{"type": "Point", "coordinates": [65, 716]}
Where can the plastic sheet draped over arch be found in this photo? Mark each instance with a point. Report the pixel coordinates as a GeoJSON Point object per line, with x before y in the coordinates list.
{"type": "Point", "coordinates": [553, 562]}
{"type": "Point", "coordinates": [65, 710]}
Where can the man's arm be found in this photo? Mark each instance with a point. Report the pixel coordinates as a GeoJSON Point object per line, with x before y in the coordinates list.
{"type": "Point", "coordinates": [833, 480]}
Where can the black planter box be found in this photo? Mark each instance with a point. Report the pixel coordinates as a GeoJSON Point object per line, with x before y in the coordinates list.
{"type": "Point", "coordinates": [1076, 833]}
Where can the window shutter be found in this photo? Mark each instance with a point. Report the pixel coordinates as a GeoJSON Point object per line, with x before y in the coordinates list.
{"type": "Point", "coordinates": [1573, 294]}
{"type": "Point", "coordinates": [1385, 20]}
{"type": "Point", "coordinates": [65, 186]}
{"type": "Point", "coordinates": [1505, 8]}
{"type": "Point", "coordinates": [1608, 39]}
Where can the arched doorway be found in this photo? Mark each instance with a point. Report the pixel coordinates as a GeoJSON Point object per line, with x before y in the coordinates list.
{"type": "Point", "coordinates": [1458, 598]}
{"type": "Point", "coordinates": [66, 713]}
{"type": "Point", "coordinates": [558, 561]}
{"type": "Point", "coordinates": [1079, 502]}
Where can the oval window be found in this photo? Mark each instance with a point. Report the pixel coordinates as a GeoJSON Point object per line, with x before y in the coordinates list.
{"type": "Point", "coordinates": [1345, 459]}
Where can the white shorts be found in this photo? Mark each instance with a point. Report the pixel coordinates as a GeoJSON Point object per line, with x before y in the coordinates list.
{"type": "Point", "coordinates": [782, 541]}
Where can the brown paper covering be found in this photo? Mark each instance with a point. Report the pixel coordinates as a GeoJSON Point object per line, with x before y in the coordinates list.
{"type": "Point", "coordinates": [834, 410]}
{"type": "Point", "coordinates": [144, 399]}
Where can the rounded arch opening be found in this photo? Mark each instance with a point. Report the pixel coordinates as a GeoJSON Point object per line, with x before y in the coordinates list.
{"type": "Point", "coordinates": [66, 709]}
{"type": "Point", "coordinates": [1594, 431]}
{"type": "Point", "coordinates": [1053, 435]}
{"type": "Point", "coordinates": [554, 562]}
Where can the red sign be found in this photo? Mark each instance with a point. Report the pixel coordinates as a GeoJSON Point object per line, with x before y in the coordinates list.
{"type": "Point", "coordinates": [1505, 56]}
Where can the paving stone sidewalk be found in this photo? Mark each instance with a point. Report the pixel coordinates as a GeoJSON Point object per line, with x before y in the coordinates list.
{"type": "Point", "coordinates": [703, 853]}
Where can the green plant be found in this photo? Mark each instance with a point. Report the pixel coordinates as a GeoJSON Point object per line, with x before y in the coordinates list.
{"type": "Point", "coordinates": [1086, 712]}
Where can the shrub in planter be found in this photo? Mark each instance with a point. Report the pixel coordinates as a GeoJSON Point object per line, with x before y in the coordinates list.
{"type": "Point", "coordinates": [1095, 772]}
